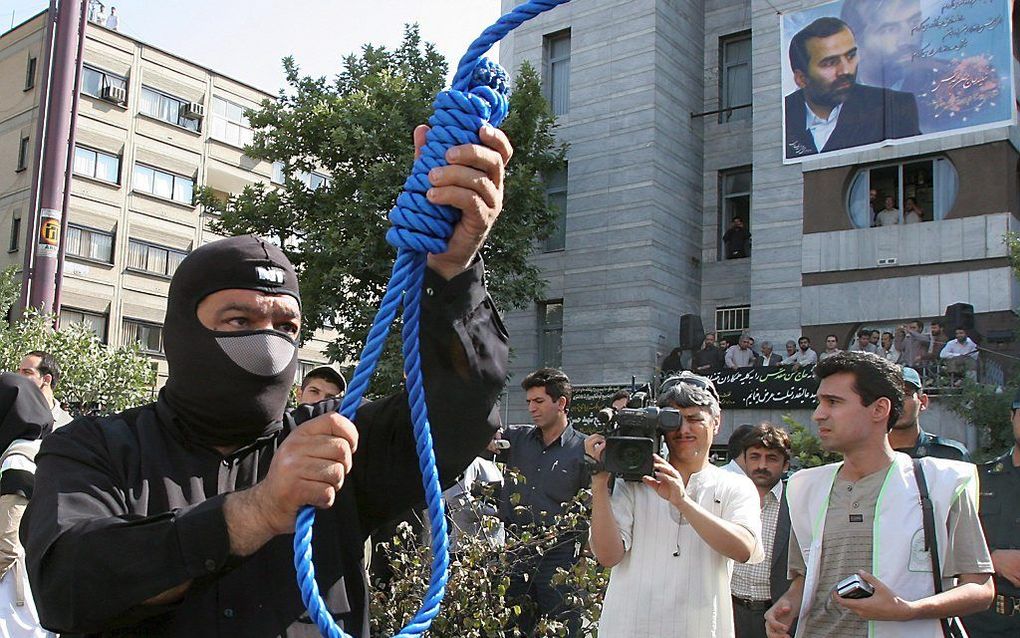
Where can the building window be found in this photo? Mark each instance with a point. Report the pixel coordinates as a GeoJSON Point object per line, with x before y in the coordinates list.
{"type": "Point", "coordinates": [735, 77]}
{"type": "Point", "coordinates": [96, 164]}
{"type": "Point", "coordinates": [94, 321]}
{"type": "Point", "coordinates": [229, 123]}
{"type": "Point", "coordinates": [731, 321]}
{"type": "Point", "coordinates": [735, 204]}
{"type": "Point", "coordinates": [168, 108]}
{"type": "Point", "coordinates": [162, 184]}
{"type": "Point", "coordinates": [149, 336]}
{"type": "Point", "coordinates": [556, 63]}
{"type": "Point", "coordinates": [30, 72]}
{"type": "Point", "coordinates": [89, 243]}
{"type": "Point", "coordinates": [278, 173]}
{"type": "Point", "coordinates": [23, 152]}
{"type": "Point", "coordinates": [15, 243]}
{"type": "Point", "coordinates": [150, 258]}
{"type": "Point", "coordinates": [905, 193]}
{"type": "Point", "coordinates": [556, 197]}
{"type": "Point", "coordinates": [550, 334]}
{"type": "Point", "coordinates": [103, 84]}
{"type": "Point", "coordinates": [313, 181]}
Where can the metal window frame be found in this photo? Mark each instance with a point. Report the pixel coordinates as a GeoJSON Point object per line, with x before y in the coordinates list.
{"type": "Point", "coordinates": [723, 223]}
{"type": "Point", "coordinates": [726, 110]}
{"type": "Point", "coordinates": [733, 312]}
{"type": "Point", "coordinates": [106, 74]}
{"type": "Point", "coordinates": [562, 215]}
{"type": "Point", "coordinates": [145, 324]}
{"type": "Point", "coordinates": [119, 158]}
{"type": "Point", "coordinates": [547, 63]}
{"type": "Point", "coordinates": [182, 104]}
{"type": "Point", "coordinates": [149, 245]}
{"type": "Point", "coordinates": [94, 231]}
{"type": "Point", "coordinates": [105, 316]}
{"type": "Point", "coordinates": [31, 66]}
{"type": "Point", "coordinates": [544, 328]}
{"type": "Point", "coordinates": [900, 189]}
{"type": "Point", "coordinates": [175, 176]}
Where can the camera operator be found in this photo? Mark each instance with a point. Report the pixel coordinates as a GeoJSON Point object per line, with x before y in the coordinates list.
{"type": "Point", "coordinates": [672, 538]}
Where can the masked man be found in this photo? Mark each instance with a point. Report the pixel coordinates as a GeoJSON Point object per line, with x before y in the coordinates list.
{"type": "Point", "coordinates": [176, 518]}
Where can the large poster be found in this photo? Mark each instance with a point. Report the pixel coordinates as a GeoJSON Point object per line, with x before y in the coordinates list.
{"type": "Point", "coordinates": [860, 73]}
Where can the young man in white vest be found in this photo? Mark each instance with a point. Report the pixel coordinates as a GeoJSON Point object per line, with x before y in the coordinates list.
{"type": "Point", "coordinates": [863, 516]}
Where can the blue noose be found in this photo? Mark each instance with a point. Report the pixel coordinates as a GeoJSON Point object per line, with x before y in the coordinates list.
{"type": "Point", "coordinates": [478, 97]}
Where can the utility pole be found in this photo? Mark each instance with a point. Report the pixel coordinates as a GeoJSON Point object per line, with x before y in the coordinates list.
{"type": "Point", "coordinates": [57, 148]}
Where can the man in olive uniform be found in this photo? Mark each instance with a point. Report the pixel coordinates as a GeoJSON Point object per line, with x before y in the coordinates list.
{"type": "Point", "coordinates": [1000, 518]}
{"type": "Point", "coordinates": [908, 437]}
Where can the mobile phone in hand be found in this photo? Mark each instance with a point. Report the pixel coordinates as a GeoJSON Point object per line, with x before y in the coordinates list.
{"type": "Point", "coordinates": [854, 587]}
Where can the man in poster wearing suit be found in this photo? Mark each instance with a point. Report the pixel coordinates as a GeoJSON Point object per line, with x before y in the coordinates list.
{"type": "Point", "coordinates": [831, 110]}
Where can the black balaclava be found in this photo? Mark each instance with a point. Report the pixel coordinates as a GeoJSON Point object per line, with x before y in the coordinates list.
{"type": "Point", "coordinates": [228, 388]}
{"type": "Point", "coordinates": [24, 411]}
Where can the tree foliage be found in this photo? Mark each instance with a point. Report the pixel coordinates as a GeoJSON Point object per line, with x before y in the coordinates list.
{"type": "Point", "coordinates": [95, 378]}
{"type": "Point", "coordinates": [357, 128]}
{"type": "Point", "coordinates": [807, 448]}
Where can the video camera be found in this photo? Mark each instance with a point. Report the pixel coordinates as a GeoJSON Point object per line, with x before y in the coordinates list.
{"type": "Point", "coordinates": [633, 434]}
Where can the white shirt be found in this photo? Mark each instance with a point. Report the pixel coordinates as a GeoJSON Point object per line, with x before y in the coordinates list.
{"type": "Point", "coordinates": [60, 416]}
{"type": "Point", "coordinates": [956, 349]}
{"type": "Point", "coordinates": [469, 515]}
{"type": "Point", "coordinates": [670, 583]}
{"type": "Point", "coordinates": [732, 466]}
{"type": "Point", "coordinates": [892, 355]}
{"type": "Point", "coordinates": [821, 130]}
{"type": "Point", "coordinates": [912, 217]}
{"type": "Point", "coordinates": [739, 358]}
{"type": "Point", "coordinates": [888, 217]}
{"type": "Point", "coordinates": [802, 358]}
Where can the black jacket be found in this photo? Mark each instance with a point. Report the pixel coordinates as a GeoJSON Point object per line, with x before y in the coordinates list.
{"type": "Point", "coordinates": [127, 506]}
{"type": "Point", "coordinates": [869, 114]}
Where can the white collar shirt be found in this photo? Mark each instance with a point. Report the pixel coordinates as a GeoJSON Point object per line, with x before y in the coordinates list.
{"type": "Point", "coordinates": [821, 129]}
{"type": "Point", "coordinates": [670, 582]}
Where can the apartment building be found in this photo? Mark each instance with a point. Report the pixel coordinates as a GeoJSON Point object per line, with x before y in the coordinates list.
{"type": "Point", "coordinates": [151, 127]}
{"type": "Point", "coordinates": [674, 116]}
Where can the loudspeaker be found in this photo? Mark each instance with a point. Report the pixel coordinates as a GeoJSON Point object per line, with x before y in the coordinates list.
{"type": "Point", "coordinates": [691, 332]}
{"type": "Point", "coordinates": [959, 315]}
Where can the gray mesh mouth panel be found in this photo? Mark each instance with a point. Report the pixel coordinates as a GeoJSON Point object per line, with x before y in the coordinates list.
{"type": "Point", "coordinates": [264, 354]}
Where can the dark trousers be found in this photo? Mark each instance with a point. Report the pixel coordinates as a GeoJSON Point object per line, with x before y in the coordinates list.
{"type": "Point", "coordinates": [532, 588]}
{"type": "Point", "coordinates": [749, 622]}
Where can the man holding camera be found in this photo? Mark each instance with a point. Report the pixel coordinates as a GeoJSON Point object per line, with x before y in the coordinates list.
{"type": "Point", "coordinates": [672, 538]}
{"type": "Point", "coordinates": [860, 557]}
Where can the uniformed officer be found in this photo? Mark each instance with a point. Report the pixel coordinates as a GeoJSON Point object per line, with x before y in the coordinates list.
{"type": "Point", "coordinates": [907, 435]}
{"type": "Point", "coordinates": [1000, 517]}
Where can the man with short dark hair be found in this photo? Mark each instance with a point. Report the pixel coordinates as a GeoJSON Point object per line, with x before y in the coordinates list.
{"type": "Point", "coordinates": [740, 355]}
{"type": "Point", "coordinates": [863, 342]}
{"type": "Point", "coordinates": [672, 538]}
{"type": "Point", "coordinates": [907, 436]}
{"type": "Point", "coordinates": [831, 347]}
{"type": "Point", "coordinates": [863, 517]}
{"type": "Point", "coordinates": [177, 518]}
{"type": "Point", "coordinates": [804, 355]}
{"type": "Point", "coordinates": [831, 110]}
{"type": "Point", "coordinates": [619, 399]}
{"type": "Point", "coordinates": [321, 383]}
{"type": "Point", "coordinates": [42, 368]}
{"type": "Point", "coordinates": [735, 449]}
{"type": "Point", "coordinates": [768, 358]}
{"type": "Point", "coordinates": [887, 350]}
{"type": "Point", "coordinates": [709, 358]}
{"type": "Point", "coordinates": [766, 457]}
{"type": "Point", "coordinates": [960, 355]}
{"type": "Point", "coordinates": [549, 455]}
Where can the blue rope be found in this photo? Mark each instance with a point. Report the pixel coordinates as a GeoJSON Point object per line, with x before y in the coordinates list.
{"type": "Point", "coordinates": [478, 97]}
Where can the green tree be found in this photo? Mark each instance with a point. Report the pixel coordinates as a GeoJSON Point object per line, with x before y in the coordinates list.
{"type": "Point", "coordinates": [95, 378]}
{"type": "Point", "coordinates": [358, 129]}
{"type": "Point", "coordinates": [807, 448]}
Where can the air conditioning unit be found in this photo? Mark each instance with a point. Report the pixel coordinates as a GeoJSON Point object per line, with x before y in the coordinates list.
{"type": "Point", "coordinates": [115, 94]}
{"type": "Point", "coordinates": [194, 110]}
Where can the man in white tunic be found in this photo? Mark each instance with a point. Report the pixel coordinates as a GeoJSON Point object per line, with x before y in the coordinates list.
{"type": "Point", "coordinates": [673, 538]}
{"type": "Point", "coordinates": [863, 516]}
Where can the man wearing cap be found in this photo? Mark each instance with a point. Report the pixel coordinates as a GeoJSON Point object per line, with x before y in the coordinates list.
{"type": "Point", "coordinates": [321, 383]}
{"type": "Point", "coordinates": [177, 518]}
{"type": "Point", "coordinates": [907, 436]}
{"type": "Point", "coordinates": [1000, 518]}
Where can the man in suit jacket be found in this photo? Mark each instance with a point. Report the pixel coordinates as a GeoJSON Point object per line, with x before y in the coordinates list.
{"type": "Point", "coordinates": [767, 358]}
{"type": "Point", "coordinates": [831, 110]}
{"type": "Point", "coordinates": [766, 456]}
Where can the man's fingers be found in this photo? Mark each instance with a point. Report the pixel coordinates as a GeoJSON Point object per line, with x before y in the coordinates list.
{"type": "Point", "coordinates": [497, 140]}
{"type": "Point", "coordinates": [479, 157]}
{"type": "Point", "coordinates": [459, 197]}
{"type": "Point", "coordinates": [330, 424]}
{"type": "Point", "coordinates": [419, 139]}
{"type": "Point", "coordinates": [469, 178]}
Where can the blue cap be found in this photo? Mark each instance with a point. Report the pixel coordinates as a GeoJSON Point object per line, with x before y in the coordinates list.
{"type": "Point", "coordinates": [1016, 400]}
{"type": "Point", "coordinates": [912, 377]}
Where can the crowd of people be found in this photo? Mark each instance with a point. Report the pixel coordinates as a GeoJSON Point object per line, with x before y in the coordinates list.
{"type": "Point", "coordinates": [910, 345]}
{"type": "Point", "coordinates": [176, 518]}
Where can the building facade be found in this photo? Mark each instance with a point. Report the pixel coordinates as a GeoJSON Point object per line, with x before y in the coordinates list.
{"type": "Point", "coordinates": [674, 117]}
{"type": "Point", "coordinates": [151, 128]}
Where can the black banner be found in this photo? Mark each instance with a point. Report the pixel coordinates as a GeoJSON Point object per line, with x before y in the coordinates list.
{"type": "Point", "coordinates": [589, 399]}
{"type": "Point", "coordinates": [766, 388]}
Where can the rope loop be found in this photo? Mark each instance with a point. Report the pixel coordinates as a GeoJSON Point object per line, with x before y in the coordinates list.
{"type": "Point", "coordinates": [419, 227]}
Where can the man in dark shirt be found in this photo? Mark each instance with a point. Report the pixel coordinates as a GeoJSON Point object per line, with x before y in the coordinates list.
{"type": "Point", "coordinates": [550, 457]}
{"type": "Point", "coordinates": [177, 518]}
{"type": "Point", "coordinates": [908, 437]}
{"type": "Point", "coordinates": [710, 358]}
{"type": "Point", "coordinates": [1000, 519]}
